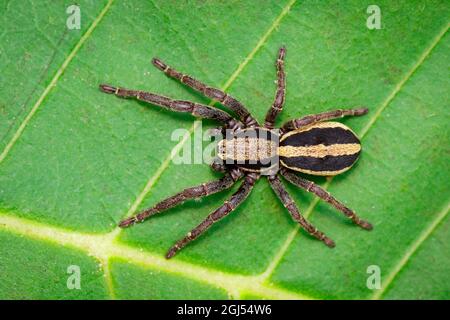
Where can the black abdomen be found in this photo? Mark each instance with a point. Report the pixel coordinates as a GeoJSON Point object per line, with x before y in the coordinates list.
{"type": "Point", "coordinates": [326, 149]}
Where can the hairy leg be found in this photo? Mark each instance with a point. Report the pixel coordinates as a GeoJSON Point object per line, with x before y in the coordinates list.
{"type": "Point", "coordinates": [229, 205]}
{"type": "Point", "coordinates": [196, 109]}
{"type": "Point", "coordinates": [194, 192]}
{"type": "Point", "coordinates": [218, 165]}
{"type": "Point", "coordinates": [209, 92]}
{"type": "Point", "coordinates": [280, 94]}
{"type": "Point", "coordinates": [321, 193]}
{"type": "Point", "coordinates": [324, 116]}
{"type": "Point", "coordinates": [289, 204]}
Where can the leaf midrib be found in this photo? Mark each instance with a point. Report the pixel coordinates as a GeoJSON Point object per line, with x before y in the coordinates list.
{"type": "Point", "coordinates": [103, 248]}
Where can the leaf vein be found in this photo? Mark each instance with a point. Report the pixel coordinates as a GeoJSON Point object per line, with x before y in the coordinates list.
{"type": "Point", "coordinates": [411, 251]}
{"type": "Point", "coordinates": [103, 249]}
{"type": "Point", "coordinates": [53, 82]}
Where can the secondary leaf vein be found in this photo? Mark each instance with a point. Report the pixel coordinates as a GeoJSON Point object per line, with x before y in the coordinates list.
{"type": "Point", "coordinates": [53, 82]}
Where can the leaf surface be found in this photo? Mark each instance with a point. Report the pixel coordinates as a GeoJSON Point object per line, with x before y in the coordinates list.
{"type": "Point", "coordinates": [75, 161]}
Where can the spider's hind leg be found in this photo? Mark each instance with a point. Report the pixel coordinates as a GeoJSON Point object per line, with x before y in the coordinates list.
{"type": "Point", "coordinates": [321, 193]}
{"type": "Point", "coordinates": [324, 116]}
{"type": "Point", "coordinates": [280, 94]}
{"type": "Point", "coordinates": [289, 204]}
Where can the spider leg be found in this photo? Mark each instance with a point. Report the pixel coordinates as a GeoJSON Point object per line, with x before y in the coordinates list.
{"type": "Point", "coordinates": [207, 91]}
{"type": "Point", "coordinates": [196, 109]}
{"type": "Point", "coordinates": [289, 204]}
{"type": "Point", "coordinates": [194, 192]}
{"type": "Point", "coordinates": [321, 193]}
{"type": "Point", "coordinates": [218, 165]}
{"type": "Point", "coordinates": [324, 116]}
{"type": "Point", "coordinates": [236, 199]}
{"type": "Point", "coordinates": [280, 94]}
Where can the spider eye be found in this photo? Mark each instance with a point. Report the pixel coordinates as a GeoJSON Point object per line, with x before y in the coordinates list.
{"type": "Point", "coordinates": [221, 150]}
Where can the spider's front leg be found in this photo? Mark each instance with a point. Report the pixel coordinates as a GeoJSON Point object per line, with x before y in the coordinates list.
{"type": "Point", "coordinates": [289, 204]}
{"type": "Point", "coordinates": [210, 92]}
{"type": "Point", "coordinates": [194, 192]}
{"type": "Point", "coordinates": [196, 109]}
{"type": "Point", "coordinates": [280, 94]}
{"type": "Point", "coordinates": [229, 205]}
{"type": "Point", "coordinates": [321, 193]}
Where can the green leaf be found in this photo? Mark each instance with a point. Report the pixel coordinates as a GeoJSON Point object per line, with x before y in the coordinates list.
{"type": "Point", "coordinates": [74, 161]}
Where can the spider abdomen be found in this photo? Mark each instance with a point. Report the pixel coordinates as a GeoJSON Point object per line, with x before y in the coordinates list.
{"type": "Point", "coordinates": [324, 149]}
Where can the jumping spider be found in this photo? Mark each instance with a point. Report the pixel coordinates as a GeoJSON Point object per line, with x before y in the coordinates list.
{"type": "Point", "coordinates": [309, 145]}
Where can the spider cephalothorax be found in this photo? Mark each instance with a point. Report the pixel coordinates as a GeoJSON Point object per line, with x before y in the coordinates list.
{"type": "Point", "coordinates": [311, 145]}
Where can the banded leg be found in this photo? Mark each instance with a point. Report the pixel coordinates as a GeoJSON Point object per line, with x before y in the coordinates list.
{"type": "Point", "coordinates": [209, 92]}
{"type": "Point", "coordinates": [289, 204]}
{"type": "Point", "coordinates": [324, 116]}
{"type": "Point", "coordinates": [196, 109]}
{"type": "Point", "coordinates": [321, 193]}
{"type": "Point", "coordinates": [194, 192]}
{"type": "Point", "coordinates": [236, 199]}
{"type": "Point", "coordinates": [280, 94]}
